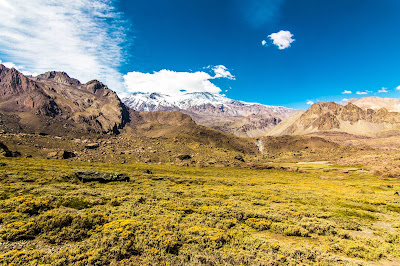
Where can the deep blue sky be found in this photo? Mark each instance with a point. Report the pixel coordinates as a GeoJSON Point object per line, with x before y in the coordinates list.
{"type": "Point", "coordinates": [339, 45]}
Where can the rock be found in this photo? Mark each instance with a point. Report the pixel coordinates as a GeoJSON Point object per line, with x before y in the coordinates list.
{"type": "Point", "coordinates": [184, 157]}
{"type": "Point", "coordinates": [67, 154]}
{"type": "Point", "coordinates": [4, 151]}
{"type": "Point", "coordinates": [92, 145]}
{"type": "Point", "coordinates": [3, 164]}
{"type": "Point", "coordinates": [102, 177]}
{"type": "Point", "coordinates": [52, 155]}
{"type": "Point", "coordinates": [239, 158]}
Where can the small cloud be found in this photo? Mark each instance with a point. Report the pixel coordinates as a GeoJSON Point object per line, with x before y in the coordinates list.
{"type": "Point", "coordinates": [344, 100]}
{"type": "Point", "coordinates": [264, 43]}
{"type": "Point", "coordinates": [310, 102]}
{"type": "Point", "coordinates": [346, 92]}
{"type": "Point", "coordinates": [282, 39]}
{"type": "Point", "coordinates": [363, 92]}
{"type": "Point", "coordinates": [383, 90]}
{"type": "Point", "coordinates": [398, 88]}
{"type": "Point", "coordinates": [222, 72]}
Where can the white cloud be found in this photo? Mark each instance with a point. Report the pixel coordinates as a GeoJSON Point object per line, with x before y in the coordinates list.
{"type": "Point", "coordinates": [172, 83]}
{"type": "Point", "coordinates": [264, 43]}
{"type": "Point", "coordinates": [81, 37]}
{"type": "Point", "coordinates": [282, 39]}
{"type": "Point", "coordinates": [346, 92]}
{"type": "Point", "coordinates": [383, 90]}
{"type": "Point", "coordinates": [363, 92]}
{"type": "Point", "coordinates": [222, 72]}
{"type": "Point", "coordinates": [344, 100]}
{"type": "Point", "coordinates": [310, 102]}
{"type": "Point", "coordinates": [398, 88]}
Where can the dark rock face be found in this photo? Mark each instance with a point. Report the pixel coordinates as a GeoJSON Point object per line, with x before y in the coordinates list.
{"type": "Point", "coordinates": [239, 158]}
{"type": "Point", "coordinates": [183, 157]}
{"type": "Point", "coordinates": [102, 177]}
{"type": "Point", "coordinates": [4, 151]}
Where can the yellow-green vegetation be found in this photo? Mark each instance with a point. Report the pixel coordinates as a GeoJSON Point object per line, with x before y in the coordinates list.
{"type": "Point", "coordinates": [173, 215]}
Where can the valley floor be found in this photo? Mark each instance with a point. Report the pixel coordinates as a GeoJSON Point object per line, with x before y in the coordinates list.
{"type": "Point", "coordinates": [172, 215]}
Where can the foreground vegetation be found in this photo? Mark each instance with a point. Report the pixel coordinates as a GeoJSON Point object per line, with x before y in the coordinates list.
{"type": "Point", "coordinates": [174, 215]}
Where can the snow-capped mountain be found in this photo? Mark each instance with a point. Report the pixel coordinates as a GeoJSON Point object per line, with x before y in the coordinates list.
{"type": "Point", "coordinates": [215, 111]}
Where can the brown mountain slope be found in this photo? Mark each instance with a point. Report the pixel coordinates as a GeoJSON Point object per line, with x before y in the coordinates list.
{"type": "Point", "coordinates": [178, 127]}
{"type": "Point", "coordinates": [55, 103]}
{"type": "Point", "coordinates": [329, 116]}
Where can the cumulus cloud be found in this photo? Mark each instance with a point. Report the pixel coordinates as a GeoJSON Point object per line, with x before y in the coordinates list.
{"type": "Point", "coordinates": [264, 43]}
{"type": "Point", "coordinates": [282, 39]}
{"type": "Point", "coordinates": [398, 88]}
{"type": "Point", "coordinates": [84, 38]}
{"type": "Point", "coordinates": [222, 72]}
{"type": "Point", "coordinates": [363, 92]}
{"type": "Point", "coordinates": [344, 100]}
{"type": "Point", "coordinates": [346, 92]}
{"type": "Point", "coordinates": [383, 90]}
{"type": "Point", "coordinates": [310, 102]}
{"type": "Point", "coordinates": [174, 83]}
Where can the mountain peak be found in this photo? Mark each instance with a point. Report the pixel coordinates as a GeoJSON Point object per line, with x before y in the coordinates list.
{"type": "Point", "coordinates": [59, 77]}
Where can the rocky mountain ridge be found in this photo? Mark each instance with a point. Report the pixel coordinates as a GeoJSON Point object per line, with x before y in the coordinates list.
{"type": "Point", "coordinates": [215, 111]}
{"type": "Point", "coordinates": [54, 97]}
{"type": "Point", "coordinates": [329, 116]}
{"type": "Point", "coordinates": [375, 103]}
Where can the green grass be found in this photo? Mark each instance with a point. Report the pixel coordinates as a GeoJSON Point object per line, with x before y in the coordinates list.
{"type": "Point", "coordinates": [173, 215]}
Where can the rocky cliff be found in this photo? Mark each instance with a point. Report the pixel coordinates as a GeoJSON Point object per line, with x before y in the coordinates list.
{"type": "Point", "coordinates": [55, 98]}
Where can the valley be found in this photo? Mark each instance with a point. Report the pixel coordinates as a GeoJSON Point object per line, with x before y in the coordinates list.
{"type": "Point", "coordinates": [87, 180]}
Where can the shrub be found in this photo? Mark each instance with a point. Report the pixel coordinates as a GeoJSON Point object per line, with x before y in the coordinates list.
{"type": "Point", "coordinates": [20, 230]}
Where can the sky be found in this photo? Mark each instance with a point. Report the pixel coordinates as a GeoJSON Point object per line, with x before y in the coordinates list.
{"type": "Point", "coordinates": [277, 52]}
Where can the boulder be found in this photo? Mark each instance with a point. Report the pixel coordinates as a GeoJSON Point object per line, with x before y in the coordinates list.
{"type": "Point", "coordinates": [92, 145]}
{"type": "Point", "coordinates": [101, 177]}
{"type": "Point", "coordinates": [239, 158]}
{"type": "Point", "coordinates": [5, 152]}
{"type": "Point", "coordinates": [184, 157]}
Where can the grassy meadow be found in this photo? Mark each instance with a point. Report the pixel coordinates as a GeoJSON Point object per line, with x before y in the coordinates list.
{"type": "Point", "coordinates": [174, 215]}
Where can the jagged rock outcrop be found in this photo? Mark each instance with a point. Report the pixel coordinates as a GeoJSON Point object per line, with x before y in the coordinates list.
{"type": "Point", "coordinates": [54, 102]}
{"type": "Point", "coordinates": [329, 116]}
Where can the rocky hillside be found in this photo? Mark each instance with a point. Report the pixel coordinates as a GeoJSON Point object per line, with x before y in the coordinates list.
{"type": "Point", "coordinates": [54, 102]}
{"type": "Point", "coordinates": [375, 103]}
{"type": "Point", "coordinates": [215, 111]}
{"type": "Point", "coordinates": [329, 116]}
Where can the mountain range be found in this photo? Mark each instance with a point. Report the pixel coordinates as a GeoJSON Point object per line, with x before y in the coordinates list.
{"type": "Point", "coordinates": [333, 117]}
{"type": "Point", "coordinates": [54, 103]}
{"type": "Point", "coordinates": [215, 111]}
